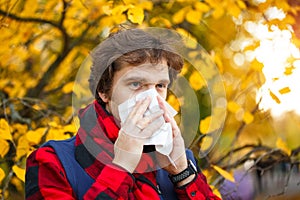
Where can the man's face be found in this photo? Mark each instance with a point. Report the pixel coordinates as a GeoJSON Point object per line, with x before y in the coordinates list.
{"type": "Point", "coordinates": [132, 80]}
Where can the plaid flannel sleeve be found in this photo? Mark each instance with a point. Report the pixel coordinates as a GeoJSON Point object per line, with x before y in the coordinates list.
{"type": "Point", "coordinates": [45, 177]}
{"type": "Point", "coordinates": [197, 189]}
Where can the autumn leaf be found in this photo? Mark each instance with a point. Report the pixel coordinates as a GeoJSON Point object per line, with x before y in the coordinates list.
{"type": "Point", "coordinates": [193, 16]}
{"type": "Point", "coordinates": [233, 106]}
{"type": "Point", "coordinates": [4, 147]}
{"type": "Point", "coordinates": [289, 70]}
{"type": "Point", "coordinates": [5, 132]}
{"type": "Point", "coordinates": [224, 173]}
{"type": "Point", "coordinates": [284, 90]}
{"type": "Point", "coordinates": [274, 97]}
{"type": "Point", "coordinates": [248, 117]}
{"type": "Point", "coordinates": [173, 101]}
{"type": "Point", "coordinates": [20, 172]}
{"type": "Point", "coordinates": [68, 87]}
{"type": "Point", "coordinates": [136, 15]}
{"type": "Point", "coordinates": [283, 146]}
{"type": "Point", "coordinates": [35, 136]}
{"type": "Point", "coordinates": [196, 81]}
{"type": "Point", "coordinates": [206, 143]}
{"type": "Point", "coordinates": [2, 175]}
{"type": "Point", "coordinates": [179, 16]}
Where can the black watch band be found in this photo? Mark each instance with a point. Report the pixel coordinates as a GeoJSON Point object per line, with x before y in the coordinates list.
{"type": "Point", "coordinates": [191, 169]}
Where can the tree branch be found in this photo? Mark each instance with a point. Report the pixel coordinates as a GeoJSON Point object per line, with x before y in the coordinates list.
{"type": "Point", "coordinates": [29, 19]}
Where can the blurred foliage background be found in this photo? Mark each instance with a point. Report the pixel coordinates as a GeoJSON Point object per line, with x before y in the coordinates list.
{"type": "Point", "coordinates": [254, 44]}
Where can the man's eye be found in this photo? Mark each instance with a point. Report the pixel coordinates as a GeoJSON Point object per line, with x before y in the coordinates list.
{"type": "Point", "coordinates": [135, 85]}
{"type": "Point", "coordinates": [161, 85]}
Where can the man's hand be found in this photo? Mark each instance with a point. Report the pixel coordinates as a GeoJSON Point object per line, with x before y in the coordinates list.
{"type": "Point", "coordinates": [178, 157]}
{"type": "Point", "coordinates": [128, 147]}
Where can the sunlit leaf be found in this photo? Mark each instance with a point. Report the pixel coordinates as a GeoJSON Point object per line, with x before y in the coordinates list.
{"type": "Point", "coordinates": [202, 7]}
{"type": "Point", "coordinates": [216, 191]}
{"type": "Point", "coordinates": [4, 148]}
{"type": "Point", "coordinates": [20, 172]}
{"type": "Point", "coordinates": [206, 143]}
{"type": "Point", "coordinates": [257, 66]}
{"type": "Point", "coordinates": [5, 132]}
{"type": "Point", "coordinates": [193, 16]}
{"type": "Point", "coordinates": [196, 81]}
{"type": "Point", "coordinates": [283, 146]}
{"type": "Point", "coordinates": [274, 97]}
{"type": "Point", "coordinates": [248, 117]}
{"type": "Point", "coordinates": [173, 101]}
{"type": "Point", "coordinates": [147, 5]}
{"type": "Point", "coordinates": [136, 15]}
{"type": "Point", "coordinates": [233, 106]}
{"type": "Point", "coordinates": [2, 175]}
{"type": "Point", "coordinates": [224, 173]}
{"type": "Point", "coordinates": [205, 125]}
{"type": "Point", "coordinates": [289, 70]}
{"type": "Point", "coordinates": [284, 90]}
{"type": "Point", "coordinates": [179, 16]}
{"type": "Point", "coordinates": [218, 12]}
{"type": "Point", "coordinates": [68, 87]}
{"type": "Point", "coordinates": [35, 136]}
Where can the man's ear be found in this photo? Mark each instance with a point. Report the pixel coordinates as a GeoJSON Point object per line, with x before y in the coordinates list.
{"type": "Point", "coordinates": [104, 97]}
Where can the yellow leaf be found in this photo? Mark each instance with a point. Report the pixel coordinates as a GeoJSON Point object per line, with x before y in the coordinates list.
{"type": "Point", "coordinates": [218, 12]}
{"type": "Point", "coordinates": [257, 66]}
{"type": "Point", "coordinates": [20, 173]}
{"type": "Point", "coordinates": [147, 5]}
{"type": "Point", "coordinates": [4, 148]}
{"type": "Point", "coordinates": [118, 10]}
{"type": "Point", "coordinates": [5, 132]}
{"type": "Point", "coordinates": [196, 81]}
{"type": "Point", "coordinates": [206, 143]}
{"type": "Point", "coordinates": [136, 15]}
{"type": "Point", "coordinates": [284, 90]}
{"type": "Point", "coordinates": [283, 146]}
{"type": "Point", "coordinates": [68, 87]}
{"type": "Point", "coordinates": [35, 136]}
{"type": "Point", "coordinates": [23, 147]}
{"type": "Point", "coordinates": [173, 101]}
{"type": "Point", "coordinates": [233, 106]}
{"type": "Point", "coordinates": [2, 175]}
{"type": "Point", "coordinates": [241, 4]}
{"type": "Point", "coordinates": [205, 124]}
{"type": "Point", "coordinates": [289, 70]}
{"type": "Point", "coordinates": [202, 7]}
{"type": "Point", "coordinates": [233, 10]}
{"type": "Point", "coordinates": [274, 97]}
{"type": "Point", "coordinates": [219, 63]}
{"type": "Point", "coordinates": [216, 191]}
{"type": "Point", "coordinates": [224, 173]}
{"type": "Point", "coordinates": [194, 17]}
{"type": "Point", "coordinates": [248, 117]}
{"type": "Point", "coordinates": [179, 16]}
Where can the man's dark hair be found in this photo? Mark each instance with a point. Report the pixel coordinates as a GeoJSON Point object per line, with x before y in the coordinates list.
{"type": "Point", "coordinates": [134, 47]}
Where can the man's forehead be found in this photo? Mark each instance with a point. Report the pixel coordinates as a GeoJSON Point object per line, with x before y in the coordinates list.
{"type": "Point", "coordinates": [148, 71]}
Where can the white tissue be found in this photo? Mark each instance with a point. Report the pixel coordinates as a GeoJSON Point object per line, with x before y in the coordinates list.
{"type": "Point", "coordinates": [162, 139]}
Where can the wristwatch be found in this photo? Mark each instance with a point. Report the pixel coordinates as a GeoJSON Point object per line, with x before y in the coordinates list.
{"type": "Point", "coordinates": [190, 170]}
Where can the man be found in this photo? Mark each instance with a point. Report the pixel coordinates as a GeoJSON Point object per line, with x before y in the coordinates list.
{"type": "Point", "coordinates": [108, 158]}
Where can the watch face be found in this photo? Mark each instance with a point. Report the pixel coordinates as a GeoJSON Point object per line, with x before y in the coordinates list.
{"type": "Point", "coordinates": [148, 148]}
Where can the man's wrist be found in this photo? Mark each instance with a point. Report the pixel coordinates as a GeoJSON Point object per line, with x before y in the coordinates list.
{"type": "Point", "coordinates": [185, 176]}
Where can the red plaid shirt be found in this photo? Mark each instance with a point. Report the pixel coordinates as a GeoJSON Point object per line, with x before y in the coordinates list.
{"type": "Point", "coordinates": [46, 178]}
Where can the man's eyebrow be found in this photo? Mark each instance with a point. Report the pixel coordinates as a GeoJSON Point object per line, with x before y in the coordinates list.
{"type": "Point", "coordinates": [140, 79]}
{"type": "Point", "coordinates": [134, 78]}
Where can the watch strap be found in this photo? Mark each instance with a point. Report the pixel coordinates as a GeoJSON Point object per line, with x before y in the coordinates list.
{"type": "Point", "coordinates": [190, 170]}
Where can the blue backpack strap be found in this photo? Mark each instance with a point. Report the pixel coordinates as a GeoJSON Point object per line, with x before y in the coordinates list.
{"type": "Point", "coordinates": [79, 180]}
{"type": "Point", "coordinates": [165, 184]}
